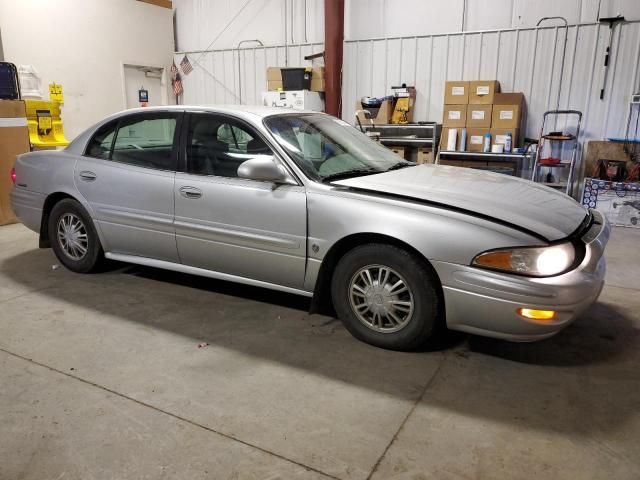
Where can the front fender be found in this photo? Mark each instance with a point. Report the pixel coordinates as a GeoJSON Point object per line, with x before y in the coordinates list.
{"type": "Point", "coordinates": [438, 234]}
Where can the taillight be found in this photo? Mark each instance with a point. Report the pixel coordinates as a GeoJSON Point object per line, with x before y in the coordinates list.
{"type": "Point", "coordinates": [13, 175]}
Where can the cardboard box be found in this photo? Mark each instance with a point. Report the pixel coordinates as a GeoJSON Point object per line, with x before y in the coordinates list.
{"type": "Point", "coordinates": [507, 110]}
{"type": "Point", "coordinates": [498, 136]}
{"type": "Point", "coordinates": [456, 93]}
{"type": "Point", "coordinates": [379, 116]}
{"type": "Point", "coordinates": [444, 137]}
{"type": "Point", "coordinates": [14, 140]}
{"type": "Point", "coordinates": [463, 163]}
{"type": "Point", "coordinates": [424, 155]}
{"type": "Point", "coordinates": [451, 163]}
{"type": "Point", "coordinates": [479, 116]}
{"type": "Point", "coordinates": [274, 79]}
{"type": "Point", "coordinates": [482, 92]}
{"type": "Point", "coordinates": [296, 99]}
{"type": "Point", "coordinates": [401, 151]}
{"type": "Point", "coordinates": [475, 139]}
{"type": "Point", "coordinates": [454, 116]}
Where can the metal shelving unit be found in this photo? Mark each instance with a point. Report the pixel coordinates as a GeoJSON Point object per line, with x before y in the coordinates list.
{"type": "Point", "coordinates": [416, 135]}
{"type": "Point", "coordinates": [555, 175]}
{"type": "Point", "coordinates": [522, 161]}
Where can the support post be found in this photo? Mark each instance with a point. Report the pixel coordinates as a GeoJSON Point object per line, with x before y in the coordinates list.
{"type": "Point", "coordinates": [333, 44]}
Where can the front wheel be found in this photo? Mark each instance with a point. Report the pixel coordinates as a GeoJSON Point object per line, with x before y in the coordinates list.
{"type": "Point", "coordinates": [387, 297]}
{"type": "Point", "coordinates": [74, 238]}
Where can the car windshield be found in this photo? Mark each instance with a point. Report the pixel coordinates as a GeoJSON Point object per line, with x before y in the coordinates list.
{"type": "Point", "coordinates": [327, 148]}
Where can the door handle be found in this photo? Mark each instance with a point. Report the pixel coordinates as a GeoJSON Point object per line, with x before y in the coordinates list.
{"type": "Point", "coordinates": [190, 192]}
{"type": "Point", "coordinates": [87, 176]}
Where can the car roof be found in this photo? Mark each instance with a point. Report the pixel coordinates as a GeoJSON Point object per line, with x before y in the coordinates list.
{"type": "Point", "coordinates": [253, 110]}
{"type": "Point", "coordinates": [251, 113]}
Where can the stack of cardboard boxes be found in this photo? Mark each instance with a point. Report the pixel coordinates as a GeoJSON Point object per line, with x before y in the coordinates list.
{"type": "Point", "coordinates": [274, 79]}
{"type": "Point", "coordinates": [311, 98]}
{"type": "Point", "coordinates": [14, 140]}
{"type": "Point", "coordinates": [479, 108]}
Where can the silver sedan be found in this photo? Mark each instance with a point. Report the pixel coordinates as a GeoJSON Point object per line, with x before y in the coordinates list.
{"type": "Point", "coordinates": [304, 203]}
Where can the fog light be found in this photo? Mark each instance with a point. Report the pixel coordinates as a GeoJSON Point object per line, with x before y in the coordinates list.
{"type": "Point", "coordinates": [540, 315]}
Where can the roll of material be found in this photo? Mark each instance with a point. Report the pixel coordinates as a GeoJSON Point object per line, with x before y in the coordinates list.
{"type": "Point", "coordinates": [497, 148]}
{"type": "Point", "coordinates": [463, 140]}
{"type": "Point", "coordinates": [451, 140]}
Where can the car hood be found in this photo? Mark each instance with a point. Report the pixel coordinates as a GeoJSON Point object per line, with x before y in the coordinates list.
{"type": "Point", "coordinates": [528, 205]}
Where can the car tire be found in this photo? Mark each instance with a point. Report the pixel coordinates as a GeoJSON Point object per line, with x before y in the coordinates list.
{"type": "Point", "coordinates": [396, 305]}
{"type": "Point", "coordinates": [73, 237]}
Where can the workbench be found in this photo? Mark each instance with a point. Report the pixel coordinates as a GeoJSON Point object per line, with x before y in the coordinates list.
{"type": "Point", "coordinates": [515, 164]}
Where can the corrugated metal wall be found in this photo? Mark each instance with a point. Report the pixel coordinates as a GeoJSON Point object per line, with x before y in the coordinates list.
{"type": "Point", "coordinates": [523, 60]}
{"type": "Point", "coordinates": [214, 79]}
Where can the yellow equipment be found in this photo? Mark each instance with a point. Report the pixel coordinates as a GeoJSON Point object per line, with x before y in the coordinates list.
{"type": "Point", "coordinates": [45, 124]}
{"type": "Point", "coordinates": [404, 98]}
{"type": "Point", "coordinates": [401, 111]}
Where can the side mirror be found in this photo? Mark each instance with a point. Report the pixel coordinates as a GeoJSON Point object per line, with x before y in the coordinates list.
{"type": "Point", "coordinates": [264, 169]}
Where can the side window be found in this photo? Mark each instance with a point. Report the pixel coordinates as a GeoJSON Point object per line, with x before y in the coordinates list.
{"type": "Point", "coordinates": [218, 146]}
{"type": "Point", "coordinates": [145, 142]}
{"type": "Point", "coordinates": [100, 145]}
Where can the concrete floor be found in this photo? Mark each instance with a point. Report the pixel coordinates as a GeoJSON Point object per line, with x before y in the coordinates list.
{"type": "Point", "coordinates": [101, 377]}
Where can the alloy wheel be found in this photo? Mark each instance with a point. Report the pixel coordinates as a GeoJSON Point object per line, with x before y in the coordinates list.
{"type": "Point", "coordinates": [72, 236]}
{"type": "Point", "coordinates": [381, 298]}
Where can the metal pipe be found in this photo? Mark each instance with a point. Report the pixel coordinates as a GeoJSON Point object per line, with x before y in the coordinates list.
{"type": "Point", "coordinates": [493, 30]}
{"type": "Point", "coordinates": [214, 50]}
{"type": "Point", "coordinates": [293, 21]}
{"type": "Point", "coordinates": [286, 34]}
{"type": "Point", "coordinates": [333, 47]}
{"type": "Point", "coordinates": [305, 21]}
{"type": "Point", "coordinates": [239, 69]}
{"type": "Point", "coordinates": [564, 52]}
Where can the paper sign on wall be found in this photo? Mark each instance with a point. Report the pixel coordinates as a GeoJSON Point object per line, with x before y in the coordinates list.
{"type": "Point", "coordinates": [55, 93]}
{"type": "Point", "coordinates": [143, 95]}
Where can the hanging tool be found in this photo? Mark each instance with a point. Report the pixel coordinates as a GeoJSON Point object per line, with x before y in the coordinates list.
{"type": "Point", "coordinates": [612, 23]}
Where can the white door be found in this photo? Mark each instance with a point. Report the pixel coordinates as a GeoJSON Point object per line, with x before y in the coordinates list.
{"type": "Point", "coordinates": [138, 77]}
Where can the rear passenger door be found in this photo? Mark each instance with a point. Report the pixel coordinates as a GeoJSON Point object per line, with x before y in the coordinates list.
{"type": "Point", "coordinates": [127, 175]}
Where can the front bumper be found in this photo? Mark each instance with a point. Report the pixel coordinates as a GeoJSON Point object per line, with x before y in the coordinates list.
{"type": "Point", "coordinates": [485, 303]}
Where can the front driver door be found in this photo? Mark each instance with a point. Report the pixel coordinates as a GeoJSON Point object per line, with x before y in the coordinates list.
{"type": "Point", "coordinates": [232, 225]}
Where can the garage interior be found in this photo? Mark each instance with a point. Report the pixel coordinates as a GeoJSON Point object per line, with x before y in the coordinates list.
{"type": "Point", "coordinates": [137, 372]}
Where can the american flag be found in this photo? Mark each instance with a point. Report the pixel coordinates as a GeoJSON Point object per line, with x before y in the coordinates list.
{"type": "Point", "coordinates": [185, 65]}
{"type": "Point", "coordinates": [174, 70]}
{"type": "Point", "coordinates": [177, 85]}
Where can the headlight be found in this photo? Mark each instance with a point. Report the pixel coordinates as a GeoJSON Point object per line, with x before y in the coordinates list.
{"type": "Point", "coordinates": [533, 261]}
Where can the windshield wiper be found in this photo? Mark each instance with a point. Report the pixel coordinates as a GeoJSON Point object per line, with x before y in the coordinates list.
{"type": "Point", "coordinates": [400, 165]}
{"type": "Point", "coordinates": [349, 173]}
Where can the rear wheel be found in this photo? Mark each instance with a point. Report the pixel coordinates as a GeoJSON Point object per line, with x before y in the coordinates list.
{"type": "Point", "coordinates": [387, 297]}
{"type": "Point", "coordinates": [74, 238]}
